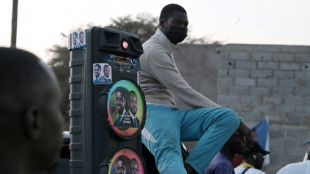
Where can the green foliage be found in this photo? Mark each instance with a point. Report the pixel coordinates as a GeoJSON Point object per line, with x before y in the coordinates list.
{"type": "Point", "coordinates": [60, 65]}
{"type": "Point", "coordinates": [143, 26]}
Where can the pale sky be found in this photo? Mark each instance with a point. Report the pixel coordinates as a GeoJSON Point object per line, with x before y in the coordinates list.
{"type": "Point", "coordinates": [40, 22]}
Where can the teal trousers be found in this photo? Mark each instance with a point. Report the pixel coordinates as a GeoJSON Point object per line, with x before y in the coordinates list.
{"type": "Point", "coordinates": [166, 127]}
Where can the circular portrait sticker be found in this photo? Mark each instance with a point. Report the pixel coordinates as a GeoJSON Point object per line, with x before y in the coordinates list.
{"type": "Point", "coordinates": [126, 108]}
{"type": "Point", "coordinates": [126, 161]}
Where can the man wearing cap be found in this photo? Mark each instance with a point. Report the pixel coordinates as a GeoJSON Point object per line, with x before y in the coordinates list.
{"type": "Point", "coordinates": [253, 160]}
{"type": "Point", "coordinates": [299, 167]}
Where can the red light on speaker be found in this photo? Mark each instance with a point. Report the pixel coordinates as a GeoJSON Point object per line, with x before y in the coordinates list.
{"type": "Point", "coordinates": [125, 44]}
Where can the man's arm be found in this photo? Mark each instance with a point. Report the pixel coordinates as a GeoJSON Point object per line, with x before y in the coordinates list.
{"type": "Point", "coordinates": [162, 67]}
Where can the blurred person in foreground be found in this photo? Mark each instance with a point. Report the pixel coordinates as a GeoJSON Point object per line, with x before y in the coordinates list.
{"type": "Point", "coordinates": [237, 160]}
{"type": "Point", "coordinates": [31, 122]}
{"type": "Point", "coordinates": [253, 160]}
{"type": "Point", "coordinates": [299, 167]}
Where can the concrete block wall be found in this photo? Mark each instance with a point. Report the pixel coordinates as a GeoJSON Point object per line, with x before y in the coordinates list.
{"type": "Point", "coordinates": [198, 65]}
{"type": "Point", "coordinates": [269, 80]}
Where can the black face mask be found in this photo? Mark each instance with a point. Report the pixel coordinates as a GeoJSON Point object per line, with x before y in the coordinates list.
{"type": "Point", "coordinates": [176, 34]}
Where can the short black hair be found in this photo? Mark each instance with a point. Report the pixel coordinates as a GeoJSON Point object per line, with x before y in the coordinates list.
{"type": "Point", "coordinates": [124, 160]}
{"type": "Point", "coordinates": [22, 77]}
{"type": "Point", "coordinates": [132, 92]}
{"type": "Point", "coordinates": [122, 90]}
{"type": "Point", "coordinates": [168, 10]}
{"type": "Point", "coordinates": [106, 65]}
{"type": "Point", "coordinates": [97, 65]}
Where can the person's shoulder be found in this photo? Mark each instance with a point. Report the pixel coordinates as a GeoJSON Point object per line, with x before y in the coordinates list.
{"type": "Point", "coordinates": [76, 46]}
{"type": "Point", "coordinates": [102, 80]}
{"type": "Point", "coordinates": [294, 167]}
{"type": "Point", "coordinates": [220, 166]}
{"type": "Point", "coordinates": [152, 46]}
{"type": "Point", "coordinates": [239, 169]}
{"type": "Point", "coordinates": [82, 45]}
{"type": "Point", "coordinates": [221, 160]}
{"type": "Point", "coordinates": [255, 171]}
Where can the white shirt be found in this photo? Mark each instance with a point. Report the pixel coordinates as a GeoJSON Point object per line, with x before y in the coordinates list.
{"type": "Point", "coordinates": [296, 168]}
{"type": "Point", "coordinates": [240, 169]}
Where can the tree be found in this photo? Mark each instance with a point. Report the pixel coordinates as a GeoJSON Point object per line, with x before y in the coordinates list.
{"type": "Point", "coordinates": [144, 26]}
{"type": "Point", "coordinates": [60, 65]}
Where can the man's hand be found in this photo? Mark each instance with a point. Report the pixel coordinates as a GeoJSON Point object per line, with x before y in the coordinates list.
{"type": "Point", "coordinates": [246, 135]}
